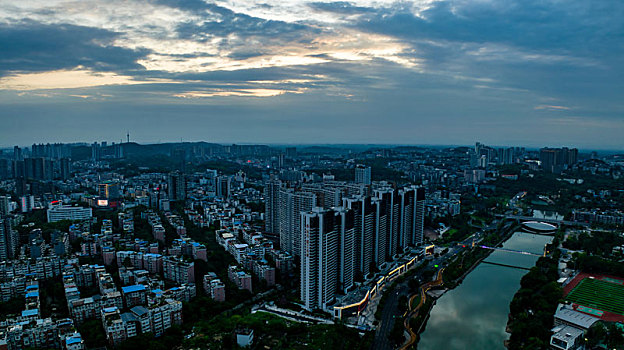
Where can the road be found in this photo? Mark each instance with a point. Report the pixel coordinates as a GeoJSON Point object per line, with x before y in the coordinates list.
{"type": "Point", "coordinates": [391, 308]}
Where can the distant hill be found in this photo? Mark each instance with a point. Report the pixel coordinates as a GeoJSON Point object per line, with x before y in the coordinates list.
{"type": "Point", "coordinates": [322, 150]}
{"type": "Point", "coordinates": [134, 149]}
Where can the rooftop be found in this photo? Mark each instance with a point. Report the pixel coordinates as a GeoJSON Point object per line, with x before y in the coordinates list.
{"type": "Point", "coordinates": [128, 317]}
{"type": "Point", "coordinates": [134, 288]}
{"type": "Point", "coordinates": [73, 339]}
{"type": "Point", "coordinates": [139, 310]}
{"type": "Point", "coordinates": [110, 309]}
{"type": "Point", "coordinates": [32, 312]}
{"type": "Point", "coordinates": [567, 314]}
{"type": "Point", "coordinates": [567, 333]}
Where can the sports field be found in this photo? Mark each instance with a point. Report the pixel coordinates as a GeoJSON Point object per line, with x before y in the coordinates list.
{"type": "Point", "coordinates": [599, 294]}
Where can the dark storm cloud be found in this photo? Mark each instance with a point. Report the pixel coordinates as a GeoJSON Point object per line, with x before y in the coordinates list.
{"type": "Point", "coordinates": [575, 27]}
{"type": "Point", "coordinates": [225, 22]}
{"type": "Point", "coordinates": [32, 47]}
{"type": "Point", "coordinates": [553, 50]}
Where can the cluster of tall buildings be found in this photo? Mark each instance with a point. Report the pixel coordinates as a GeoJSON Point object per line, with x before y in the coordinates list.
{"type": "Point", "coordinates": [482, 156]}
{"type": "Point", "coordinates": [102, 150]}
{"type": "Point", "coordinates": [341, 230]}
{"type": "Point", "coordinates": [554, 160]}
{"type": "Point", "coordinates": [341, 243]}
{"type": "Point", "coordinates": [43, 162]}
{"type": "Point", "coordinates": [54, 151]}
{"type": "Point", "coordinates": [283, 206]}
{"type": "Point", "coordinates": [36, 168]}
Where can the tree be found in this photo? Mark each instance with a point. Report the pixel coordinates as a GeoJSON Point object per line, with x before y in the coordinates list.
{"type": "Point", "coordinates": [93, 333]}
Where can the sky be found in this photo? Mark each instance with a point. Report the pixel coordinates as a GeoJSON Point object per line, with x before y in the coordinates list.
{"type": "Point", "coordinates": [502, 72]}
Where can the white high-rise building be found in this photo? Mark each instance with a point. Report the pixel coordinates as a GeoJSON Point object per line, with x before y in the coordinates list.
{"type": "Point", "coordinates": [365, 242]}
{"type": "Point", "coordinates": [419, 217]}
{"type": "Point", "coordinates": [320, 239]}
{"type": "Point", "coordinates": [389, 228]}
{"type": "Point", "coordinates": [4, 205]}
{"type": "Point", "coordinates": [9, 239]}
{"type": "Point", "coordinates": [362, 174]}
{"type": "Point", "coordinates": [292, 203]}
{"type": "Point", "coordinates": [271, 210]}
{"type": "Point", "coordinates": [406, 198]}
{"type": "Point", "coordinates": [346, 256]}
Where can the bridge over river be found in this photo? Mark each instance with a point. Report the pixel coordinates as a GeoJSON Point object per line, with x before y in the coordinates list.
{"type": "Point", "coordinates": [521, 218]}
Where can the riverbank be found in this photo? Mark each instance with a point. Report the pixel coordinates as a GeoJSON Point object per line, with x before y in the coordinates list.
{"type": "Point", "coordinates": [460, 268]}
{"type": "Point", "coordinates": [415, 311]}
{"type": "Point", "coordinates": [538, 288]}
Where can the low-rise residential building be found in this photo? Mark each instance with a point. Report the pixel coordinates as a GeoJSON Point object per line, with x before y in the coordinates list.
{"type": "Point", "coordinates": [74, 342]}
{"type": "Point", "coordinates": [113, 325]}
{"type": "Point", "coordinates": [178, 270]}
{"type": "Point", "coordinates": [134, 295]}
{"type": "Point", "coordinates": [265, 272]}
{"type": "Point", "coordinates": [214, 287]}
{"type": "Point", "coordinates": [142, 315]}
{"type": "Point", "coordinates": [241, 278]}
{"type": "Point", "coordinates": [165, 315]}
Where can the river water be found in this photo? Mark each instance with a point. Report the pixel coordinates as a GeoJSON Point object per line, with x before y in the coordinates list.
{"type": "Point", "coordinates": [474, 315]}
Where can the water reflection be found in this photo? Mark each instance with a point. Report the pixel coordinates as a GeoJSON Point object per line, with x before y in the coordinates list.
{"type": "Point", "coordinates": [474, 315]}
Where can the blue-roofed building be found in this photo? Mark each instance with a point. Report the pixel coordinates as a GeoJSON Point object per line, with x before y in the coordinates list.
{"type": "Point", "coordinates": [113, 325]}
{"type": "Point", "coordinates": [134, 288]}
{"type": "Point", "coordinates": [74, 342]}
{"type": "Point", "coordinates": [111, 309]}
{"type": "Point", "coordinates": [32, 313]}
{"type": "Point", "coordinates": [134, 295]}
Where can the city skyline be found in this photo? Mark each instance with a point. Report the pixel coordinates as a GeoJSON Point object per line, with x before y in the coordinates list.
{"type": "Point", "coordinates": [338, 146]}
{"type": "Point", "coordinates": [383, 72]}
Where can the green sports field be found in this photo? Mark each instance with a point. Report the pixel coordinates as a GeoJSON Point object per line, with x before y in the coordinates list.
{"type": "Point", "coordinates": [602, 295]}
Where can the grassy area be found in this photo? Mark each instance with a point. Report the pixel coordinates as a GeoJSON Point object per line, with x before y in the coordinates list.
{"type": "Point", "coordinates": [451, 232]}
{"type": "Point", "coordinates": [599, 294]}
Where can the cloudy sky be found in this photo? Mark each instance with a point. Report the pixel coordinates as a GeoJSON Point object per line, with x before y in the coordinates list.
{"type": "Point", "coordinates": [503, 72]}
